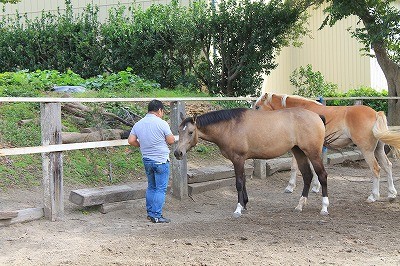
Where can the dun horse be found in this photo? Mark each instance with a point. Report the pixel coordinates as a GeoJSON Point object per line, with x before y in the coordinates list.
{"type": "Point", "coordinates": [244, 134]}
{"type": "Point", "coordinates": [345, 125]}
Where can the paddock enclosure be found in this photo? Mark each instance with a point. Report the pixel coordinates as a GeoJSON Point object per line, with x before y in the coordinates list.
{"type": "Point", "coordinates": [203, 231]}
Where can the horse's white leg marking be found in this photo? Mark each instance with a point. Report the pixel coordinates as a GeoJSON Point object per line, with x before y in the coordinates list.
{"type": "Point", "coordinates": [375, 168]}
{"type": "Point", "coordinates": [387, 167]}
{"type": "Point", "coordinates": [392, 192]}
{"type": "Point", "coordinates": [375, 190]}
{"type": "Point", "coordinates": [238, 211]}
{"type": "Point", "coordinates": [293, 176]}
{"type": "Point", "coordinates": [325, 204]}
{"type": "Point", "coordinates": [316, 185]}
{"type": "Point", "coordinates": [302, 202]}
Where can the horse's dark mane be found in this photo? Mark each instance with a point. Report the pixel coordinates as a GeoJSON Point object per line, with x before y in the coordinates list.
{"type": "Point", "coordinates": [219, 116]}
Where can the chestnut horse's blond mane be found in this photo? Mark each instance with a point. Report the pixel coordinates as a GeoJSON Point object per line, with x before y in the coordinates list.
{"type": "Point", "coordinates": [285, 96]}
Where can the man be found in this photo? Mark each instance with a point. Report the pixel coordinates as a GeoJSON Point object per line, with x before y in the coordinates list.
{"type": "Point", "coordinates": [152, 135]}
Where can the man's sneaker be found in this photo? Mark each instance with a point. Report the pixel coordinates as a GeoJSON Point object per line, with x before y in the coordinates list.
{"type": "Point", "coordinates": [160, 220]}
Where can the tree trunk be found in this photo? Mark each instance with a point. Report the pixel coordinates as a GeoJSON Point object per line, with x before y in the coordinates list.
{"type": "Point", "coordinates": [392, 74]}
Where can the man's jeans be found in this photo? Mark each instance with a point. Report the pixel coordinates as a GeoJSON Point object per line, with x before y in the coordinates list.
{"type": "Point", "coordinates": [157, 183]}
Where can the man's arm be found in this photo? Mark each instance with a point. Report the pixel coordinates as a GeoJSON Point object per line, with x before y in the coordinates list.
{"type": "Point", "coordinates": [132, 140]}
{"type": "Point", "coordinates": [170, 139]}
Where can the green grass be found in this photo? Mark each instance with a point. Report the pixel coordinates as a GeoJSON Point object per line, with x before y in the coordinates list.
{"type": "Point", "coordinates": [20, 171]}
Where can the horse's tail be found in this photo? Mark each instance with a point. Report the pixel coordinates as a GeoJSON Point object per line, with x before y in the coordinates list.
{"type": "Point", "coordinates": [382, 133]}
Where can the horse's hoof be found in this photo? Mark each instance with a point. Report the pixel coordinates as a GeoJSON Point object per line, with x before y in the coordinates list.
{"type": "Point", "coordinates": [391, 198]}
{"type": "Point", "coordinates": [371, 199]}
{"type": "Point", "coordinates": [315, 190]}
{"type": "Point", "coordinates": [237, 214]}
{"type": "Point", "coordinates": [297, 209]}
{"type": "Point", "coordinates": [288, 190]}
{"type": "Point", "coordinates": [324, 213]}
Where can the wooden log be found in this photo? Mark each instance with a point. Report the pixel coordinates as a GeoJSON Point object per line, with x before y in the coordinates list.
{"type": "Point", "coordinates": [278, 164]}
{"type": "Point", "coordinates": [114, 206]}
{"type": "Point", "coordinates": [25, 215]}
{"type": "Point", "coordinates": [197, 188]}
{"type": "Point", "coordinates": [4, 215]}
{"type": "Point", "coordinates": [97, 196]}
{"type": "Point", "coordinates": [100, 135]}
{"type": "Point", "coordinates": [212, 173]}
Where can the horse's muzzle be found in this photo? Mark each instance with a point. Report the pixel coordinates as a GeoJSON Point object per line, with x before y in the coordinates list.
{"type": "Point", "coordinates": [178, 154]}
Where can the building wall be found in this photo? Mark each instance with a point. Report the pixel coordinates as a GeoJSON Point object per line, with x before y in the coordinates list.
{"type": "Point", "coordinates": [330, 51]}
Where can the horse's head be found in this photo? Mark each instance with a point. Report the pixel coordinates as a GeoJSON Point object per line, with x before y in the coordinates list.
{"type": "Point", "coordinates": [264, 102]}
{"type": "Point", "coordinates": [187, 137]}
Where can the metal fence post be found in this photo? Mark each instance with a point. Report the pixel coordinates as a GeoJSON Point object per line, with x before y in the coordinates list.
{"type": "Point", "coordinates": [178, 167]}
{"type": "Point", "coordinates": [52, 162]}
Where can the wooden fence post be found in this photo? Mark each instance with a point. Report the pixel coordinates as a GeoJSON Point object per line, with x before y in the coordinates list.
{"type": "Point", "coordinates": [178, 167]}
{"type": "Point", "coordinates": [52, 163]}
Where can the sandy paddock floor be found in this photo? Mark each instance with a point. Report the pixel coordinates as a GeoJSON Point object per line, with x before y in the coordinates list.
{"type": "Point", "coordinates": [203, 231]}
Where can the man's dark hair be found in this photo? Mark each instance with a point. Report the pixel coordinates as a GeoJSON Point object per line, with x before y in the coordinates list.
{"type": "Point", "coordinates": [155, 105]}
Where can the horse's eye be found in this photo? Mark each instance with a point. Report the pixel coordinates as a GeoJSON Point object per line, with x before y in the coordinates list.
{"type": "Point", "coordinates": [190, 133]}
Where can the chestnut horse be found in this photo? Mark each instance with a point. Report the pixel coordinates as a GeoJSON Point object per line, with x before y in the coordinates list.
{"type": "Point", "coordinates": [244, 134]}
{"type": "Point", "coordinates": [345, 125]}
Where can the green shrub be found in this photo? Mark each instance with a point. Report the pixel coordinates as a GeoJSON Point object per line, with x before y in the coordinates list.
{"type": "Point", "coordinates": [311, 84]}
{"type": "Point", "coordinates": [378, 105]}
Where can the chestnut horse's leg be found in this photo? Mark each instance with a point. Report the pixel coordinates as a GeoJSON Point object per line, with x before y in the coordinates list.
{"type": "Point", "coordinates": [293, 178]}
{"type": "Point", "coordinates": [387, 167]}
{"type": "Point", "coordinates": [240, 187]}
{"type": "Point", "coordinates": [369, 157]}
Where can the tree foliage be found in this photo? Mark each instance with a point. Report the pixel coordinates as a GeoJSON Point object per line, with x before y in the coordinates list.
{"type": "Point", "coordinates": [379, 30]}
{"type": "Point", "coordinates": [225, 48]}
{"type": "Point", "coordinates": [247, 36]}
{"type": "Point", "coordinates": [9, 1]}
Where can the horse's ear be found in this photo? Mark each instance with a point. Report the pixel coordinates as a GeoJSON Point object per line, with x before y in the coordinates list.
{"type": "Point", "coordinates": [182, 116]}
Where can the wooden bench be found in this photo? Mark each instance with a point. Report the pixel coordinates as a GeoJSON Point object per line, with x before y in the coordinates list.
{"type": "Point", "coordinates": [107, 195]}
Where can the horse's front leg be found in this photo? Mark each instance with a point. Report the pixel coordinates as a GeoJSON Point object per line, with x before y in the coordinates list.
{"type": "Point", "coordinates": [241, 188]}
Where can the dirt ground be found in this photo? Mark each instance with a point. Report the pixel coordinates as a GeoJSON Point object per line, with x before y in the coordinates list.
{"type": "Point", "coordinates": [204, 232]}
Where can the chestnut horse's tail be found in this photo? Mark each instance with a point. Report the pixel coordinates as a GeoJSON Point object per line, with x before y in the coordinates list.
{"type": "Point", "coordinates": [382, 132]}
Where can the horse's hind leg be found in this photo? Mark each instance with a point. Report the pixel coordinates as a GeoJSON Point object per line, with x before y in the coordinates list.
{"type": "Point", "coordinates": [305, 170]}
{"type": "Point", "coordinates": [316, 185]}
{"type": "Point", "coordinates": [293, 178]}
{"type": "Point", "coordinates": [375, 168]}
{"type": "Point", "coordinates": [323, 180]}
{"type": "Point", "coordinates": [387, 167]}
